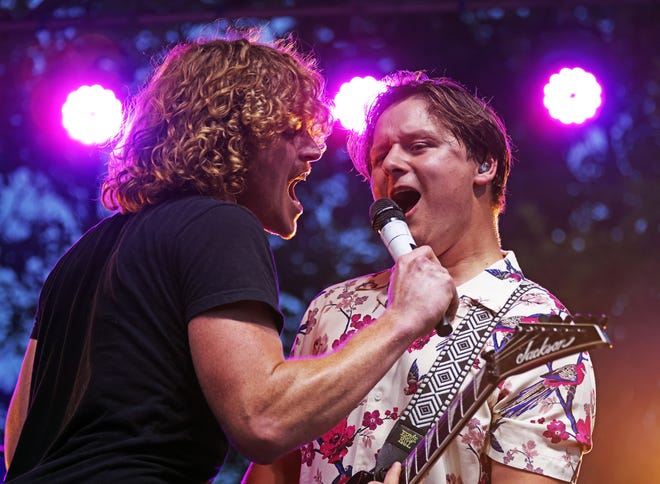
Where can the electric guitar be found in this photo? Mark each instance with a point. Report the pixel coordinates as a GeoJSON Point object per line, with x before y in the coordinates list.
{"type": "Point", "coordinates": [531, 345]}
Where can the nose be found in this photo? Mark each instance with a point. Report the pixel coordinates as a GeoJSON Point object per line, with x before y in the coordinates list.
{"type": "Point", "coordinates": [395, 161]}
{"type": "Point", "coordinates": [308, 149]}
{"type": "Point", "coordinates": [393, 165]}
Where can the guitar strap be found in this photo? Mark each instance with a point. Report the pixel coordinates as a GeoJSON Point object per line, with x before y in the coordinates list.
{"type": "Point", "coordinates": [442, 382]}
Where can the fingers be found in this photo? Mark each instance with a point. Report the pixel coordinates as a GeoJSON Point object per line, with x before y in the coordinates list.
{"type": "Point", "coordinates": [421, 291]}
{"type": "Point", "coordinates": [392, 476]}
{"type": "Point", "coordinates": [423, 250]}
{"type": "Point", "coordinates": [453, 306]}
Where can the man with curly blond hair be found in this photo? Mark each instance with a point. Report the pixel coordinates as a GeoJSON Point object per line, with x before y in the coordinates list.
{"type": "Point", "coordinates": [156, 340]}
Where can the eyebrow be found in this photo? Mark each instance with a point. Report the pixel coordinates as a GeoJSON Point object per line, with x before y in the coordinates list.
{"type": "Point", "coordinates": [407, 136]}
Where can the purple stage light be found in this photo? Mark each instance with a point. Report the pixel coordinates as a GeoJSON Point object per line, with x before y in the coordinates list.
{"type": "Point", "coordinates": [572, 96]}
{"type": "Point", "coordinates": [92, 114]}
{"type": "Point", "coordinates": [353, 99]}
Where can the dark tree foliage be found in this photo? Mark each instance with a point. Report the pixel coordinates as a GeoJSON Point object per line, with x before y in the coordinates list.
{"type": "Point", "coordinates": [582, 202]}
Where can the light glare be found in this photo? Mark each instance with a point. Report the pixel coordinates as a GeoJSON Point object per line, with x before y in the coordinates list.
{"type": "Point", "coordinates": [92, 114]}
{"type": "Point", "coordinates": [353, 100]}
{"type": "Point", "coordinates": [572, 96]}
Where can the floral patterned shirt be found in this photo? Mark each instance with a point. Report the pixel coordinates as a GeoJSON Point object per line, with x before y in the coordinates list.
{"type": "Point", "coordinates": [540, 420]}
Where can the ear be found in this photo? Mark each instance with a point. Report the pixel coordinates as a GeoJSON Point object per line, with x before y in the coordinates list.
{"type": "Point", "coordinates": [484, 172]}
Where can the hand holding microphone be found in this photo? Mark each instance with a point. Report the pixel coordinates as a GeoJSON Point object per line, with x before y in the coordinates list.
{"type": "Point", "coordinates": [388, 220]}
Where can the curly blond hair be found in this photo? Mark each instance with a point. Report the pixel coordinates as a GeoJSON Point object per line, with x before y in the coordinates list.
{"type": "Point", "coordinates": [205, 110]}
{"type": "Point", "coordinates": [470, 120]}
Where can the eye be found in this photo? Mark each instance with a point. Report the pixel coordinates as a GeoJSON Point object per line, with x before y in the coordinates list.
{"type": "Point", "coordinates": [291, 133]}
{"type": "Point", "coordinates": [419, 146]}
{"type": "Point", "coordinates": [294, 129]}
{"type": "Point", "coordinates": [376, 160]}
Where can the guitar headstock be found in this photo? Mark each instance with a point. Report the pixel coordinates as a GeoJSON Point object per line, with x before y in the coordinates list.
{"type": "Point", "coordinates": [533, 344]}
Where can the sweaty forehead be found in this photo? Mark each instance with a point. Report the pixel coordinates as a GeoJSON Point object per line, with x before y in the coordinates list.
{"type": "Point", "coordinates": [405, 120]}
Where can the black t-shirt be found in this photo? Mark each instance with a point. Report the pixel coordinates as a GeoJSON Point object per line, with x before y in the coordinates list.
{"type": "Point", "coordinates": [114, 395]}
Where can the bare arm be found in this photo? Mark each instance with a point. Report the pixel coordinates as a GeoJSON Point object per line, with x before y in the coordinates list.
{"type": "Point", "coordinates": [19, 403]}
{"type": "Point", "coordinates": [503, 474]}
{"type": "Point", "coordinates": [268, 406]}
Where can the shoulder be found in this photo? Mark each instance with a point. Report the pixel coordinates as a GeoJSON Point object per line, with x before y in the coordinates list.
{"type": "Point", "coordinates": [538, 299]}
{"type": "Point", "coordinates": [199, 217]}
{"type": "Point", "coordinates": [365, 285]}
{"type": "Point", "coordinates": [197, 206]}
{"type": "Point", "coordinates": [339, 311]}
{"type": "Point", "coordinates": [533, 298]}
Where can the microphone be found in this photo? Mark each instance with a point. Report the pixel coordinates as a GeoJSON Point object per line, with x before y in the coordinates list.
{"type": "Point", "coordinates": [388, 220]}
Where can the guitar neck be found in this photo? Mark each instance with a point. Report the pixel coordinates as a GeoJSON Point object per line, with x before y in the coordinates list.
{"type": "Point", "coordinates": [443, 431]}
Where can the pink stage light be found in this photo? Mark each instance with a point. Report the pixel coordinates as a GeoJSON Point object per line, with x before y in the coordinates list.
{"type": "Point", "coordinates": [572, 96]}
{"type": "Point", "coordinates": [353, 99]}
{"type": "Point", "coordinates": [92, 114]}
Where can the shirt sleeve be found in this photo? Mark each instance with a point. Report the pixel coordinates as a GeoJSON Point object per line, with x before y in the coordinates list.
{"type": "Point", "coordinates": [224, 257]}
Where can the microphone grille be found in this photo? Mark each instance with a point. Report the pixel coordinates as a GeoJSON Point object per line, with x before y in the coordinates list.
{"type": "Point", "coordinates": [382, 211]}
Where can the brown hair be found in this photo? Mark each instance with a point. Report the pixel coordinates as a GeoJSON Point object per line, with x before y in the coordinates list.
{"type": "Point", "coordinates": [469, 119]}
{"type": "Point", "coordinates": [203, 112]}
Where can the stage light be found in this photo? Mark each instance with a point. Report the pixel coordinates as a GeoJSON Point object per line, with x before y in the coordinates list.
{"type": "Point", "coordinates": [572, 96]}
{"type": "Point", "coordinates": [92, 114]}
{"type": "Point", "coordinates": [353, 99]}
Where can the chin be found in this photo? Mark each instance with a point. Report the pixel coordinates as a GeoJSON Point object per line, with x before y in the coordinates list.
{"type": "Point", "coordinates": [288, 236]}
{"type": "Point", "coordinates": [286, 231]}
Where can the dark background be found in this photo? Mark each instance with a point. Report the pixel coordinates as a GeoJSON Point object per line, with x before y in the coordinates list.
{"type": "Point", "coordinates": [582, 213]}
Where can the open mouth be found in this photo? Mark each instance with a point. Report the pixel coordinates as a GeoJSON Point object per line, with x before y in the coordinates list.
{"type": "Point", "coordinates": [292, 185]}
{"type": "Point", "coordinates": [406, 199]}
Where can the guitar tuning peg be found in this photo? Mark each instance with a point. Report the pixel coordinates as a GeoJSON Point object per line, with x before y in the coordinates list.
{"type": "Point", "coordinates": [589, 318]}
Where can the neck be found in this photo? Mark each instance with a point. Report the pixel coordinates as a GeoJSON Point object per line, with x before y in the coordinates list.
{"type": "Point", "coordinates": [476, 251]}
{"type": "Point", "coordinates": [466, 268]}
